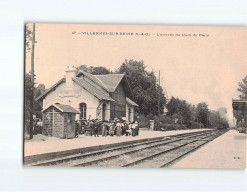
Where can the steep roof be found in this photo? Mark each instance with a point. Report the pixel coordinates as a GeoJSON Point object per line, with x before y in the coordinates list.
{"type": "Point", "coordinates": [92, 89]}
{"type": "Point", "coordinates": [129, 101]}
{"type": "Point", "coordinates": [93, 78]}
{"type": "Point", "coordinates": [108, 82]}
{"type": "Point", "coordinates": [111, 81]}
{"type": "Point", "coordinates": [50, 89]}
{"type": "Point", "coordinates": [63, 108]}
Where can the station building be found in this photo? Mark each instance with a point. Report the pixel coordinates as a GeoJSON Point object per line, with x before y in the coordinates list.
{"type": "Point", "coordinates": [240, 106]}
{"type": "Point", "coordinates": [102, 97]}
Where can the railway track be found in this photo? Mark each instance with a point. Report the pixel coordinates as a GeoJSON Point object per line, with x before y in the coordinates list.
{"type": "Point", "coordinates": [161, 152]}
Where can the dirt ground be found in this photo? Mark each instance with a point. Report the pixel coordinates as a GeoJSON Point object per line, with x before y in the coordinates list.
{"type": "Point", "coordinates": [226, 151]}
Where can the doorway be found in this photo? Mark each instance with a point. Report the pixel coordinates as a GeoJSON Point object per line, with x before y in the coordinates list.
{"type": "Point", "coordinates": [103, 111]}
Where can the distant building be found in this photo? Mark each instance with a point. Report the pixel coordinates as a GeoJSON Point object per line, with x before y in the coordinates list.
{"type": "Point", "coordinates": [241, 107]}
{"type": "Point", "coordinates": [93, 96]}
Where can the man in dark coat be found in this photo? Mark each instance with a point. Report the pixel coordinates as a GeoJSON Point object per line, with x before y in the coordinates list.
{"type": "Point", "coordinates": [96, 128]}
{"type": "Point", "coordinates": [132, 127]}
{"type": "Point", "coordinates": [137, 128]}
{"type": "Point", "coordinates": [124, 128]}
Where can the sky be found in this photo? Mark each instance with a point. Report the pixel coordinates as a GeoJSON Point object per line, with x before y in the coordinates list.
{"type": "Point", "coordinates": [203, 67]}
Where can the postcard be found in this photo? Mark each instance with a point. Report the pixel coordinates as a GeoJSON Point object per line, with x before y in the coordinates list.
{"type": "Point", "coordinates": [135, 96]}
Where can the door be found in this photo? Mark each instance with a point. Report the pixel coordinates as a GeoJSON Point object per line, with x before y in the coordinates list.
{"type": "Point", "coordinates": [70, 126]}
{"type": "Point", "coordinates": [103, 111]}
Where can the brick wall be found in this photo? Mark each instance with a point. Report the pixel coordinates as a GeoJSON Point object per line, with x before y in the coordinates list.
{"type": "Point", "coordinates": [58, 124]}
{"type": "Point", "coordinates": [53, 122]}
{"type": "Point", "coordinates": [47, 124]}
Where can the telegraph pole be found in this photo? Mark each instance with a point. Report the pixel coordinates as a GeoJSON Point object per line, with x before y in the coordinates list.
{"type": "Point", "coordinates": [32, 84]}
{"type": "Point", "coordinates": [159, 102]}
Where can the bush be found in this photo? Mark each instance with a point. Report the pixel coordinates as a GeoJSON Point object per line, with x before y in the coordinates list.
{"type": "Point", "coordinates": [167, 127]}
{"type": "Point", "coordinates": [242, 130]}
{"type": "Point", "coordinates": [167, 123]}
{"type": "Point", "coordinates": [144, 121]}
{"type": "Point", "coordinates": [195, 125]}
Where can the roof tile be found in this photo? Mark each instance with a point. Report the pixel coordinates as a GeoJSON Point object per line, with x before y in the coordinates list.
{"type": "Point", "coordinates": [92, 89]}
{"type": "Point", "coordinates": [111, 81]}
{"type": "Point", "coordinates": [63, 108]}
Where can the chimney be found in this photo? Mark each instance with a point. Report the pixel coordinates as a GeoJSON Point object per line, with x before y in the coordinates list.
{"type": "Point", "coordinates": [70, 73]}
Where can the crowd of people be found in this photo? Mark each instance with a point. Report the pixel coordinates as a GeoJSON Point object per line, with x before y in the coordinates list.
{"type": "Point", "coordinates": [96, 127]}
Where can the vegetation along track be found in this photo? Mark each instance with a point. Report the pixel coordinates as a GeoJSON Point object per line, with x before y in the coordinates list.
{"type": "Point", "coordinates": [155, 153]}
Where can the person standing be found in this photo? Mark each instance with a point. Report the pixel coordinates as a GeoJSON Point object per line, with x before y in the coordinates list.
{"type": "Point", "coordinates": [124, 127]}
{"type": "Point", "coordinates": [112, 129]}
{"type": "Point", "coordinates": [77, 129]}
{"type": "Point", "coordinates": [137, 128]}
{"type": "Point", "coordinates": [104, 129]}
{"type": "Point", "coordinates": [83, 127]}
{"type": "Point", "coordinates": [89, 127]}
{"type": "Point", "coordinates": [118, 129]}
{"type": "Point", "coordinates": [133, 131]}
{"type": "Point", "coordinates": [96, 128]}
{"type": "Point", "coordinates": [128, 129]}
{"type": "Point", "coordinates": [77, 126]}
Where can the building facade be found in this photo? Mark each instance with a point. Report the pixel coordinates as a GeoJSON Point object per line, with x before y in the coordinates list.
{"type": "Point", "coordinates": [102, 97]}
{"type": "Point", "coordinates": [240, 106]}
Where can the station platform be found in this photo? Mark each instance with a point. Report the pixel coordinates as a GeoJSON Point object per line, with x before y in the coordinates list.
{"type": "Point", "coordinates": [42, 144]}
{"type": "Point", "coordinates": [226, 151]}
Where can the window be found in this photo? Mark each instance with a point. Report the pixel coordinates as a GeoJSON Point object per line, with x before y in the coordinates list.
{"type": "Point", "coordinates": [103, 111]}
{"type": "Point", "coordinates": [83, 111]}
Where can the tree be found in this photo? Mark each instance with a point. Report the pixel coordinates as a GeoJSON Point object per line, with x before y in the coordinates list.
{"type": "Point", "coordinates": [27, 96]}
{"type": "Point", "coordinates": [30, 37]}
{"type": "Point", "coordinates": [202, 113]}
{"type": "Point", "coordinates": [37, 91]}
{"type": "Point", "coordinates": [99, 70]}
{"type": "Point", "coordinates": [181, 108]}
{"type": "Point", "coordinates": [193, 117]}
{"type": "Point", "coordinates": [144, 87]}
{"type": "Point", "coordinates": [84, 68]}
{"type": "Point", "coordinates": [242, 87]}
{"type": "Point", "coordinates": [40, 89]}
